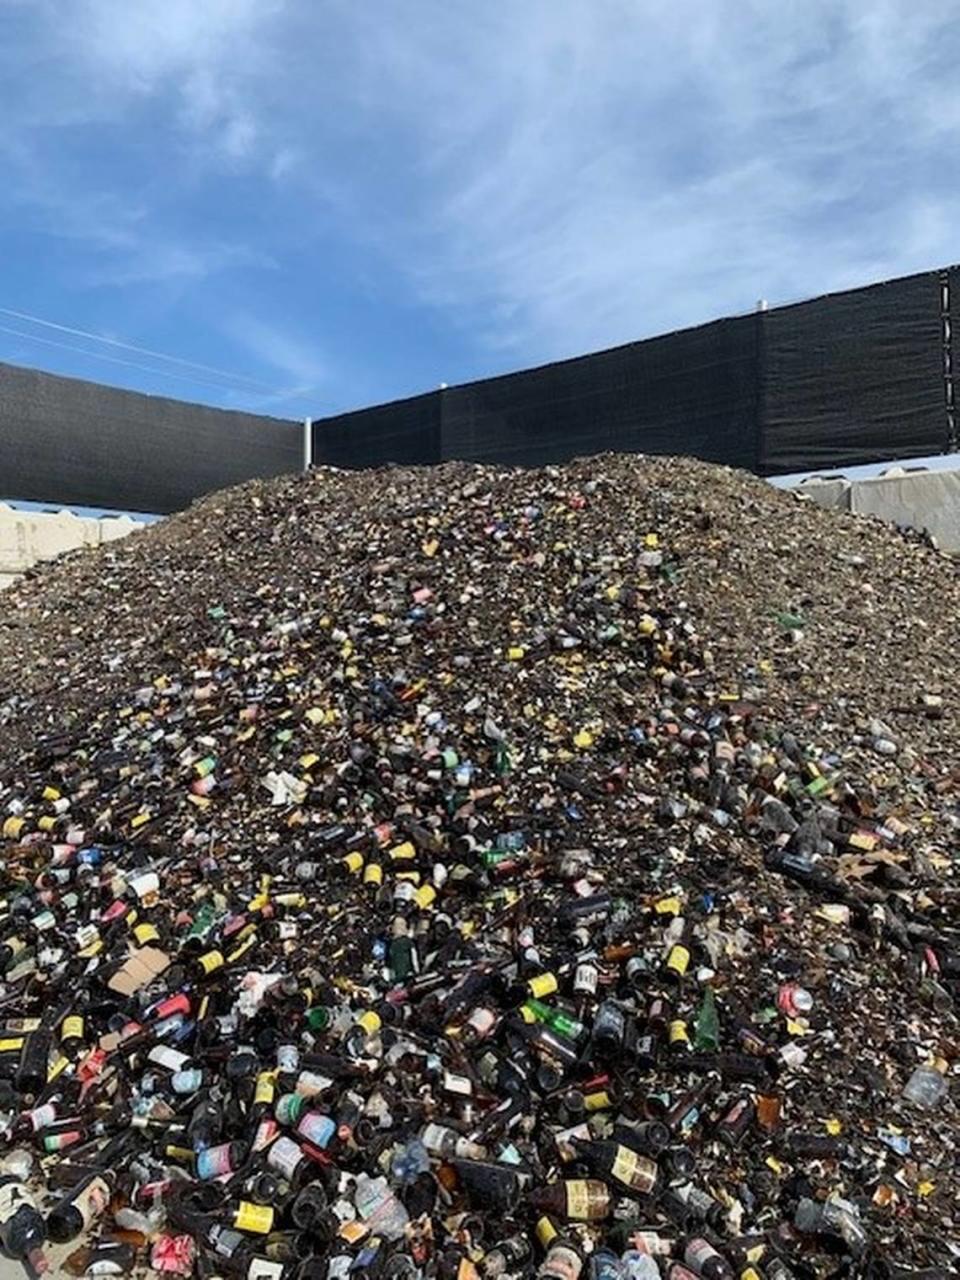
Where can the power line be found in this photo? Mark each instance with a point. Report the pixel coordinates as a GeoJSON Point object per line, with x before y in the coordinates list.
{"type": "Point", "coordinates": [129, 346]}
{"type": "Point", "coordinates": [130, 364]}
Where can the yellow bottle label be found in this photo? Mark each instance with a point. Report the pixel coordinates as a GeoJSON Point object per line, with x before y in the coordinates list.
{"type": "Point", "coordinates": [425, 896]}
{"type": "Point", "coordinates": [210, 962]}
{"type": "Point", "coordinates": [242, 950]}
{"type": "Point", "coordinates": [667, 906]}
{"type": "Point", "coordinates": [265, 1090]}
{"type": "Point", "coordinates": [353, 862]}
{"type": "Point", "coordinates": [72, 1028]}
{"type": "Point", "coordinates": [679, 960]}
{"type": "Point", "coordinates": [404, 852]}
{"type": "Point", "coordinates": [145, 933]}
{"type": "Point", "coordinates": [51, 793]}
{"type": "Point", "coordinates": [58, 1068]}
{"type": "Point", "coordinates": [370, 1021]}
{"type": "Point", "coordinates": [257, 1218]}
{"type": "Point", "coordinates": [47, 823]}
{"type": "Point", "coordinates": [578, 1200]}
{"type": "Point", "coordinates": [12, 828]}
{"type": "Point", "coordinates": [183, 1155]}
{"type": "Point", "coordinates": [635, 1171]}
{"type": "Point", "coordinates": [678, 1032]}
{"type": "Point", "coordinates": [291, 899]}
{"type": "Point", "coordinates": [599, 1101]}
{"type": "Point", "coordinates": [544, 984]}
{"type": "Point", "coordinates": [624, 1165]}
{"type": "Point", "coordinates": [373, 874]}
{"type": "Point", "coordinates": [586, 1199]}
{"type": "Point", "coordinates": [546, 1231]}
{"type": "Point", "coordinates": [11, 1045]}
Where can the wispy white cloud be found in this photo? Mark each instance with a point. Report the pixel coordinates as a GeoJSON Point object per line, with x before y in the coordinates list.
{"type": "Point", "coordinates": [77, 76]}
{"type": "Point", "coordinates": [297, 360]}
{"type": "Point", "coordinates": [203, 54]}
{"type": "Point", "coordinates": [594, 172]}
{"type": "Point", "coordinates": [548, 176]}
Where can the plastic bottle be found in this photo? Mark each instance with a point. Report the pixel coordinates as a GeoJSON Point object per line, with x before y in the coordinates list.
{"type": "Point", "coordinates": [605, 1265]}
{"type": "Point", "coordinates": [640, 1266]}
{"type": "Point", "coordinates": [927, 1087]}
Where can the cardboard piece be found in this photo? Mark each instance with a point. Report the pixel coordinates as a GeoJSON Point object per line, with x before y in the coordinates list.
{"type": "Point", "coordinates": [142, 967]}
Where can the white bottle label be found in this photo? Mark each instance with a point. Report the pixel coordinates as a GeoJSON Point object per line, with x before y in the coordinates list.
{"type": "Point", "coordinates": [284, 1156]}
{"type": "Point", "coordinates": [585, 979]}
{"type": "Point", "coordinates": [264, 1269]}
{"type": "Point", "coordinates": [433, 1138]}
{"type": "Point", "coordinates": [92, 1200]}
{"type": "Point", "coordinates": [13, 1194]}
{"type": "Point", "coordinates": [161, 1055]}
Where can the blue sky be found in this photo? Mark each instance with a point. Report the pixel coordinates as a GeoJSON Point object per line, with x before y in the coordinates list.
{"type": "Point", "coordinates": [343, 201]}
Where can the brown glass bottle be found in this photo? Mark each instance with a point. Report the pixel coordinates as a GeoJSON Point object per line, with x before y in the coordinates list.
{"type": "Point", "coordinates": [578, 1200]}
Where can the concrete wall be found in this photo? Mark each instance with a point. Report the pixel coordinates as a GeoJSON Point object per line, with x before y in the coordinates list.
{"type": "Point", "coordinates": [916, 498]}
{"type": "Point", "coordinates": [27, 537]}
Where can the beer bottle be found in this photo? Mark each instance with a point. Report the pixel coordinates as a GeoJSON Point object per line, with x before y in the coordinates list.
{"type": "Point", "coordinates": [649, 1137]}
{"type": "Point", "coordinates": [31, 1076]}
{"type": "Point", "coordinates": [733, 1125]}
{"type": "Point", "coordinates": [556, 1019]}
{"type": "Point", "coordinates": [72, 1034]}
{"type": "Point", "coordinates": [608, 1031]}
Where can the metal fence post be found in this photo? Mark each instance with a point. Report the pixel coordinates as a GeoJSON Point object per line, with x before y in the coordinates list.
{"type": "Point", "coordinates": [307, 443]}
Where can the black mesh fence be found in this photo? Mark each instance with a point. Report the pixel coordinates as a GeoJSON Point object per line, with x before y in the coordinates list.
{"type": "Point", "coordinates": [851, 377]}
{"type": "Point", "coordinates": [404, 432]}
{"type": "Point", "coordinates": [78, 443]}
{"type": "Point", "coordinates": [848, 378]}
{"type": "Point", "coordinates": [698, 387]}
{"type": "Point", "coordinates": [951, 355]}
{"type": "Point", "coordinates": [854, 377]}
